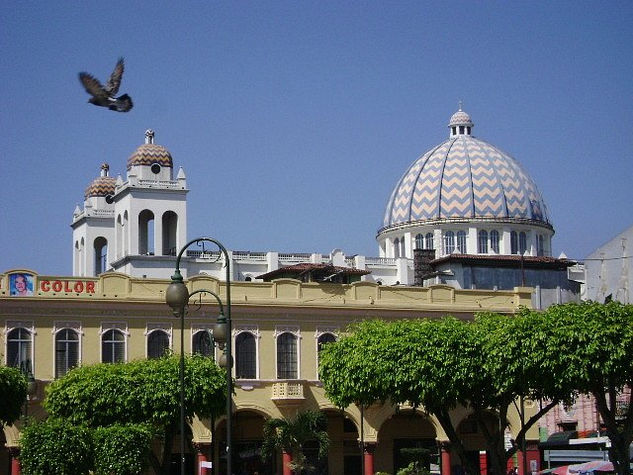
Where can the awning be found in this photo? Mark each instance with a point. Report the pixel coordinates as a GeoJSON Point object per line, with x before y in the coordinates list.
{"type": "Point", "coordinates": [580, 468]}
{"type": "Point", "coordinates": [559, 438]}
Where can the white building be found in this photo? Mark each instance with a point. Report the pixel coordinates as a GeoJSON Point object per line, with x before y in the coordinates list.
{"type": "Point", "coordinates": [609, 270]}
{"type": "Point", "coordinates": [472, 209]}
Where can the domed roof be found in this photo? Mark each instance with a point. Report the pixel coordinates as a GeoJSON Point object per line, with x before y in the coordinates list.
{"type": "Point", "coordinates": [464, 178]}
{"type": "Point", "coordinates": [103, 185]}
{"type": "Point", "coordinates": [150, 153]}
{"type": "Point", "coordinates": [460, 118]}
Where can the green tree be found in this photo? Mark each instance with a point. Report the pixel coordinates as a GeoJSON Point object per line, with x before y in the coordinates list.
{"type": "Point", "coordinates": [13, 390]}
{"type": "Point", "coordinates": [511, 371]}
{"type": "Point", "coordinates": [589, 345]}
{"type": "Point", "coordinates": [122, 449]}
{"type": "Point", "coordinates": [289, 435]}
{"type": "Point", "coordinates": [144, 391]}
{"type": "Point", "coordinates": [440, 364]}
{"type": "Point", "coordinates": [56, 446]}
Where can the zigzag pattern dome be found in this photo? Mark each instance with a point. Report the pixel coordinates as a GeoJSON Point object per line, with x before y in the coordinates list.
{"type": "Point", "coordinates": [101, 186]}
{"type": "Point", "coordinates": [464, 178]}
{"type": "Point", "coordinates": [150, 153]}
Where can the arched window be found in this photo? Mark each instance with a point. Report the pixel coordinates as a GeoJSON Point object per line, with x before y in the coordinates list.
{"type": "Point", "coordinates": [449, 242]}
{"type": "Point", "coordinates": [419, 241]}
{"type": "Point", "coordinates": [323, 340]}
{"type": "Point", "coordinates": [514, 243]}
{"type": "Point", "coordinates": [126, 239]}
{"type": "Point", "coordinates": [522, 242]}
{"type": "Point", "coordinates": [77, 262]}
{"type": "Point", "coordinates": [540, 245]}
{"type": "Point", "coordinates": [286, 356]}
{"type": "Point", "coordinates": [113, 347]}
{"type": "Point", "coordinates": [101, 255]}
{"type": "Point", "coordinates": [157, 344]}
{"type": "Point", "coordinates": [119, 236]}
{"type": "Point", "coordinates": [482, 242]}
{"type": "Point", "coordinates": [494, 241]}
{"type": "Point", "coordinates": [66, 351]}
{"type": "Point", "coordinates": [245, 356]}
{"type": "Point", "coordinates": [82, 261]}
{"type": "Point", "coordinates": [396, 248]}
{"type": "Point", "coordinates": [19, 344]}
{"type": "Point", "coordinates": [203, 343]}
{"type": "Point", "coordinates": [146, 233]}
{"type": "Point", "coordinates": [428, 241]}
{"type": "Point", "coordinates": [461, 242]}
{"type": "Point", "coordinates": [170, 233]}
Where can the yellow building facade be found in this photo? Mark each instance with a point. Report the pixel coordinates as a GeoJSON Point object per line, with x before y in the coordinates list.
{"type": "Point", "coordinates": [62, 322]}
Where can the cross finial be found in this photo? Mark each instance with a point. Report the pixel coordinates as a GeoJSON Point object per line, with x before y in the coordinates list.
{"type": "Point", "coordinates": [149, 136]}
{"type": "Point", "coordinates": [461, 104]}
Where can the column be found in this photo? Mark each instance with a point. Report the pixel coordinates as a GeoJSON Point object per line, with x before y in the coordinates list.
{"type": "Point", "coordinates": [15, 462]}
{"type": "Point", "coordinates": [286, 458]}
{"type": "Point", "coordinates": [202, 449]}
{"type": "Point", "coordinates": [445, 458]}
{"type": "Point", "coordinates": [520, 462]}
{"type": "Point", "coordinates": [532, 459]}
{"type": "Point", "coordinates": [483, 462]}
{"type": "Point", "coordinates": [368, 455]}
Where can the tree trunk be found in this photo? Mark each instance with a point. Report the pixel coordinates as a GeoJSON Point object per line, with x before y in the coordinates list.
{"type": "Point", "coordinates": [456, 443]}
{"type": "Point", "coordinates": [620, 436]}
{"type": "Point", "coordinates": [619, 454]}
{"type": "Point", "coordinates": [165, 459]}
{"type": "Point", "coordinates": [494, 439]}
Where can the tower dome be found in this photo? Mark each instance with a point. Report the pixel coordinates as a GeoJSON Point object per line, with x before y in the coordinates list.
{"type": "Point", "coordinates": [468, 181]}
{"type": "Point", "coordinates": [101, 186]}
{"type": "Point", "coordinates": [150, 153]}
{"type": "Point", "coordinates": [460, 118]}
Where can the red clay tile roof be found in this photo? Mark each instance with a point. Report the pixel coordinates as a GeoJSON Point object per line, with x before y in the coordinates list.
{"type": "Point", "coordinates": [532, 262]}
{"type": "Point", "coordinates": [304, 267]}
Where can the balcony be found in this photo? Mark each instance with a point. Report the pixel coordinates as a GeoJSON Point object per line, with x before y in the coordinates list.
{"type": "Point", "coordinates": [287, 393]}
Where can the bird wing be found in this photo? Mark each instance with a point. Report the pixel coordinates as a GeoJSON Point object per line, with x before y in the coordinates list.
{"type": "Point", "coordinates": [92, 85]}
{"type": "Point", "coordinates": [112, 86]}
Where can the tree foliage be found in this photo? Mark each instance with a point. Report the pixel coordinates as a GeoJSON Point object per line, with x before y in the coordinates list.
{"type": "Point", "coordinates": [484, 365]}
{"type": "Point", "coordinates": [289, 435]}
{"type": "Point", "coordinates": [56, 446]}
{"type": "Point", "coordinates": [13, 390]}
{"type": "Point", "coordinates": [61, 447]}
{"type": "Point", "coordinates": [589, 345]}
{"type": "Point", "coordinates": [122, 449]}
{"type": "Point", "coordinates": [141, 392]}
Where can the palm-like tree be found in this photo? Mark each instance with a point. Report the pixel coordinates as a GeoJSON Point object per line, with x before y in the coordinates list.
{"type": "Point", "coordinates": [289, 435]}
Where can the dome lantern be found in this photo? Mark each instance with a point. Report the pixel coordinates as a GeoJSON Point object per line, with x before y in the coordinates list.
{"type": "Point", "coordinates": [460, 123]}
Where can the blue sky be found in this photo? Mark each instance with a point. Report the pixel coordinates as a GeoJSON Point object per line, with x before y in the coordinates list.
{"type": "Point", "coordinates": [294, 120]}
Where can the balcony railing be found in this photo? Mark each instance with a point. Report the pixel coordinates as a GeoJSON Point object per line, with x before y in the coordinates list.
{"type": "Point", "coordinates": [287, 392]}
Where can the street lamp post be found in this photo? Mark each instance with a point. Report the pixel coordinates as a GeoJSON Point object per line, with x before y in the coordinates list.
{"type": "Point", "coordinates": [31, 391]}
{"type": "Point", "coordinates": [177, 297]}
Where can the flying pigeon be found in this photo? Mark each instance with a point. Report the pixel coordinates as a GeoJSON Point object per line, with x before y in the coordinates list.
{"type": "Point", "coordinates": [104, 96]}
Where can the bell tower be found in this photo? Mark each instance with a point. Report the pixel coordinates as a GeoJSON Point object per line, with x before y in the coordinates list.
{"type": "Point", "coordinates": [150, 209]}
{"type": "Point", "coordinates": [93, 227]}
{"type": "Point", "coordinates": [134, 225]}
